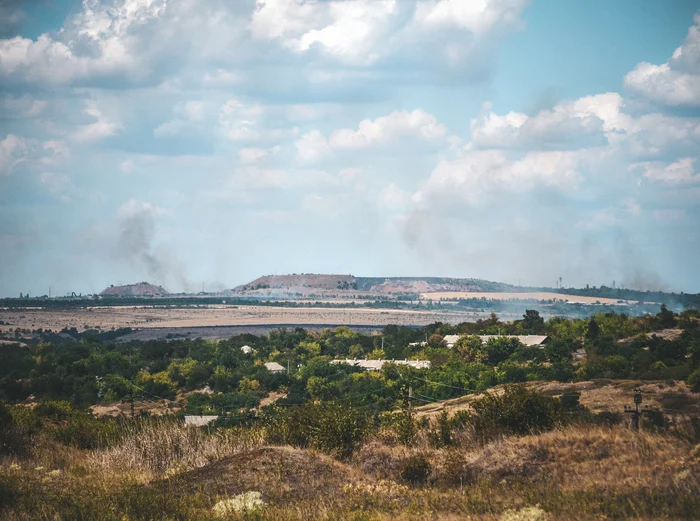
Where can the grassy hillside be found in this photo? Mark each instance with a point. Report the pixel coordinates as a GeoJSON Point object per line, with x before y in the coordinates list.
{"type": "Point", "coordinates": [159, 469]}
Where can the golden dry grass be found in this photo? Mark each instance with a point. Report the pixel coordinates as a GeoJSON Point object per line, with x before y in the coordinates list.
{"type": "Point", "coordinates": [172, 472]}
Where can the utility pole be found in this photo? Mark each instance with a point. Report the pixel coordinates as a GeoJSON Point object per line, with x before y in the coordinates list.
{"type": "Point", "coordinates": [635, 412]}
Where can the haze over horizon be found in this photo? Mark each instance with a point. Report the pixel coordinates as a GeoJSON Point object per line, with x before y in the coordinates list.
{"type": "Point", "coordinates": [182, 142]}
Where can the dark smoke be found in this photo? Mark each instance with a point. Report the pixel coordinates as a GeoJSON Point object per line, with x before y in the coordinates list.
{"type": "Point", "coordinates": [136, 235]}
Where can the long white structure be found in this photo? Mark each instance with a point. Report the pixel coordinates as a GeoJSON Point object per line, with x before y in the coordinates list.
{"type": "Point", "coordinates": [376, 365]}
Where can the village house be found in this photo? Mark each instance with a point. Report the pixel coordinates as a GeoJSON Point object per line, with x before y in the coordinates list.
{"type": "Point", "coordinates": [376, 365]}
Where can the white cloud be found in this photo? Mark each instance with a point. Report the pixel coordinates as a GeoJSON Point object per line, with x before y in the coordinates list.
{"type": "Point", "coordinates": [13, 150]}
{"type": "Point", "coordinates": [393, 197]}
{"type": "Point", "coordinates": [127, 166]}
{"type": "Point", "coordinates": [240, 122]}
{"type": "Point", "coordinates": [361, 32]}
{"type": "Point", "coordinates": [312, 146]}
{"type": "Point", "coordinates": [678, 172]}
{"type": "Point", "coordinates": [399, 124]}
{"type": "Point", "coordinates": [255, 155]}
{"type": "Point", "coordinates": [347, 30]}
{"type": "Point", "coordinates": [100, 129]}
{"type": "Point", "coordinates": [97, 41]}
{"type": "Point", "coordinates": [477, 16]}
{"type": "Point", "coordinates": [582, 123]}
{"type": "Point", "coordinates": [676, 82]}
{"type": "Point", "coordinates": [133, 207]}
{"type": "Point", "coordinates": [57, 184]}
{"type": "Point", "coordinates": [478, 174]}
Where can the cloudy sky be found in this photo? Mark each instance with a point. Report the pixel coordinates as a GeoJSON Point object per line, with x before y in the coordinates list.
{"type": "Point", "coordinates": [205, 142]}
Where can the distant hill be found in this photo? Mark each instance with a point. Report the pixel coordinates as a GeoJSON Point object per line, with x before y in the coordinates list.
{"type": "Point", "coordinates": [300, 281]}
{"type": "Point", "coordinates": [381, 285]}
{"type": "Point", "coordinates": [141, 289]}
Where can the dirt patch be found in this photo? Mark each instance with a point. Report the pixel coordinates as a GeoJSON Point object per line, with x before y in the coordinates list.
{"type": "Point", "coordinates": [281, 474]}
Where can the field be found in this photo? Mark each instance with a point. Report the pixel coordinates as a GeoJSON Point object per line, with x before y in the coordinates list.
{"type": "Point", "coordinates": [161, 469]}
{"type": "Point", "coordinates": [212, 316]}
{"type": "Point", "coordinates": [535, 296]}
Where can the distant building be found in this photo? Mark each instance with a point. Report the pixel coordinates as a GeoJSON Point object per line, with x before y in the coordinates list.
{"type": "Point", "coordinates": [246, 350]}
{"type": "Point", "coordinates": [275, 368]}
{"type": "Point", "coordinates": [526, 340]}
{"type": "Point", "coordinates": [451, 340]}
{"type": "Point", "coordinates": [200, 421]}
{"type": "Point", "coordinates": [579, 355]}
{"type": "Point", "coordinates": [376, 365]}
{"type": "Point", "coordinates": [418, 344]}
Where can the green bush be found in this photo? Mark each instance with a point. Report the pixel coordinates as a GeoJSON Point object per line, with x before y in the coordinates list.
{"type": "Point", "coordinates": [516, 411]}
{"type": "Point", "coordinates": [15, 438]}
{"type": "Point", "coordinates": [416, 470]}
{"type": "Point", "coordinates": [329, 427]}
{"type": "Point", "coordinates": [693, 381]}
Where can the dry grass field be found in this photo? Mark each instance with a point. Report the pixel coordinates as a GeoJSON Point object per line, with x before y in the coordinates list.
{"type": "Point", "coordinates": [210, 316]}
{"type": "Point", "coordinates": [169, 471]}
{"type": "Point", "coordinates": [596, 395]}
{"type": "Point", "coordinates": [449, 295]}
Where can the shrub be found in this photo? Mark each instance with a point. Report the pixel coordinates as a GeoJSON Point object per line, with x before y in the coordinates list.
{"type": "Point", "coordinates": [15, 438]}
{"type": "Point", "coordinates": [416, 470]}
{"type": "Point", "coordinates": [516, 411]}
{"type": "Point", "coordinates": [440, 435]}
{"type": "Point", "coordinates": [694, 381]}
{"type": "Point", "coordinates": [329, 427]}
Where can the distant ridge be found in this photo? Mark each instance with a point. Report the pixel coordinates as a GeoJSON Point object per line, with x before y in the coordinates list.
{"type": "Point", "coordinates": [381, 285]}
{"type": "Point", "coordinates": [141, 289]}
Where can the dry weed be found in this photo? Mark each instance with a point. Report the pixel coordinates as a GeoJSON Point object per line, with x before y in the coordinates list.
{"type": "Point", "coordinates": [167, 447]}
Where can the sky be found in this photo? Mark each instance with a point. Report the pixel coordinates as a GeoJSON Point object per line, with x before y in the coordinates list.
{"type": "Point", "coordinates": [199, 144]}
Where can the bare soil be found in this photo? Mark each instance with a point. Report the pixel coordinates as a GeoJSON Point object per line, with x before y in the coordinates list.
{"type": "Point", "coordinates": [107, 318]}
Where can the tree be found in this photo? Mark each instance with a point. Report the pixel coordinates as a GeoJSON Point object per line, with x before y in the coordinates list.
{"type": "Point", "coordinates": [666, 318]}
{"type": "Point", "coordinates": [532, 321]}
{"type": "Point", "coordinates": [470, 348]}
{"type": "Point", "coordinates": [500, 348]}
{"type": "Point", "coordinates": [436, 341]}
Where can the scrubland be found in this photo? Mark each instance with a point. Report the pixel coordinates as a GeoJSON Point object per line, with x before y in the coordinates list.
{"type": "Point", "coordinates": [290, 469]}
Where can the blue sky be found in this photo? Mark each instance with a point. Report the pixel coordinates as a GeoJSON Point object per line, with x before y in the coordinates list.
{"type": "Point", "coordinates": [203, 142]}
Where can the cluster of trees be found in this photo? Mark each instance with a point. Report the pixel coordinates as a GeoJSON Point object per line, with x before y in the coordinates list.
{"type": "Point", "coordinates": [217, 376]}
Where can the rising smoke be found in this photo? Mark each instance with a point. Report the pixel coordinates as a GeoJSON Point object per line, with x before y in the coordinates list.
{"type": "Point", "coordinates": [136, 247]}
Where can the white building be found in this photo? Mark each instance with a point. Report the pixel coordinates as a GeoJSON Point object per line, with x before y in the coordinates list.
{"type": "Point", "coordinates": [246, 350]}
{"type": "Point", "coordinates": [451, 340]}
{"type": "Point", "coordinates": [376, 365]}
{"type": "Point", "coordinates": [275, 368]}
{"type": "Point", "coordinates": [526, 340]}
{"type": "Point", "coordinates": [200, 421]}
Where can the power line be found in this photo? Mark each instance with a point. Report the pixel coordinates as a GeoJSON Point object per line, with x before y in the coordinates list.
{"type": "Point", "coordinates": [443, 385]}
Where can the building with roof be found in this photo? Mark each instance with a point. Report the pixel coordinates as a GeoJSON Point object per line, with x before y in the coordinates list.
{"type": "Point", "coordinates": [451, 340]}
{"type": "Point", "coordinates": [526, 340]}
{"type": "Point", "coordinates": [376, 365]}
{"type": "Point", "coordinates": [275, 368]}
{"type": "Point", "coordinates": [246, 349]}
{"type": "Point", "coordinates": [200, 421]}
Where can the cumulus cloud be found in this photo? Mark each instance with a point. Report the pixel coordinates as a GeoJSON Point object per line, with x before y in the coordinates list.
{"type": "Point", "coordinates": [312, 146]}
{"type": "Point", "coordinates": [363, 32]}
{"type": "Point", "coordinates": [676, 82]}
{"type": "Point", "coordinates": [101, 128]}
{"type": "Point", "coordinates": [679, 172]}
{"type": "Point", "coordinates": [570, 125]}
{"type": "Point", "coordinates": [13, 150]}
{"type": "Point", "coordinates": [479, 16]}
{"type": "Point", "coordinates": [397, 125]}
{"type": "Point", "coordinates": [476, 175]}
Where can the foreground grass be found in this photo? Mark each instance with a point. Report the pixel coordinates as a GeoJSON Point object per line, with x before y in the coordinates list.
{"type": "Point", "coordinates": [173, 473]}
